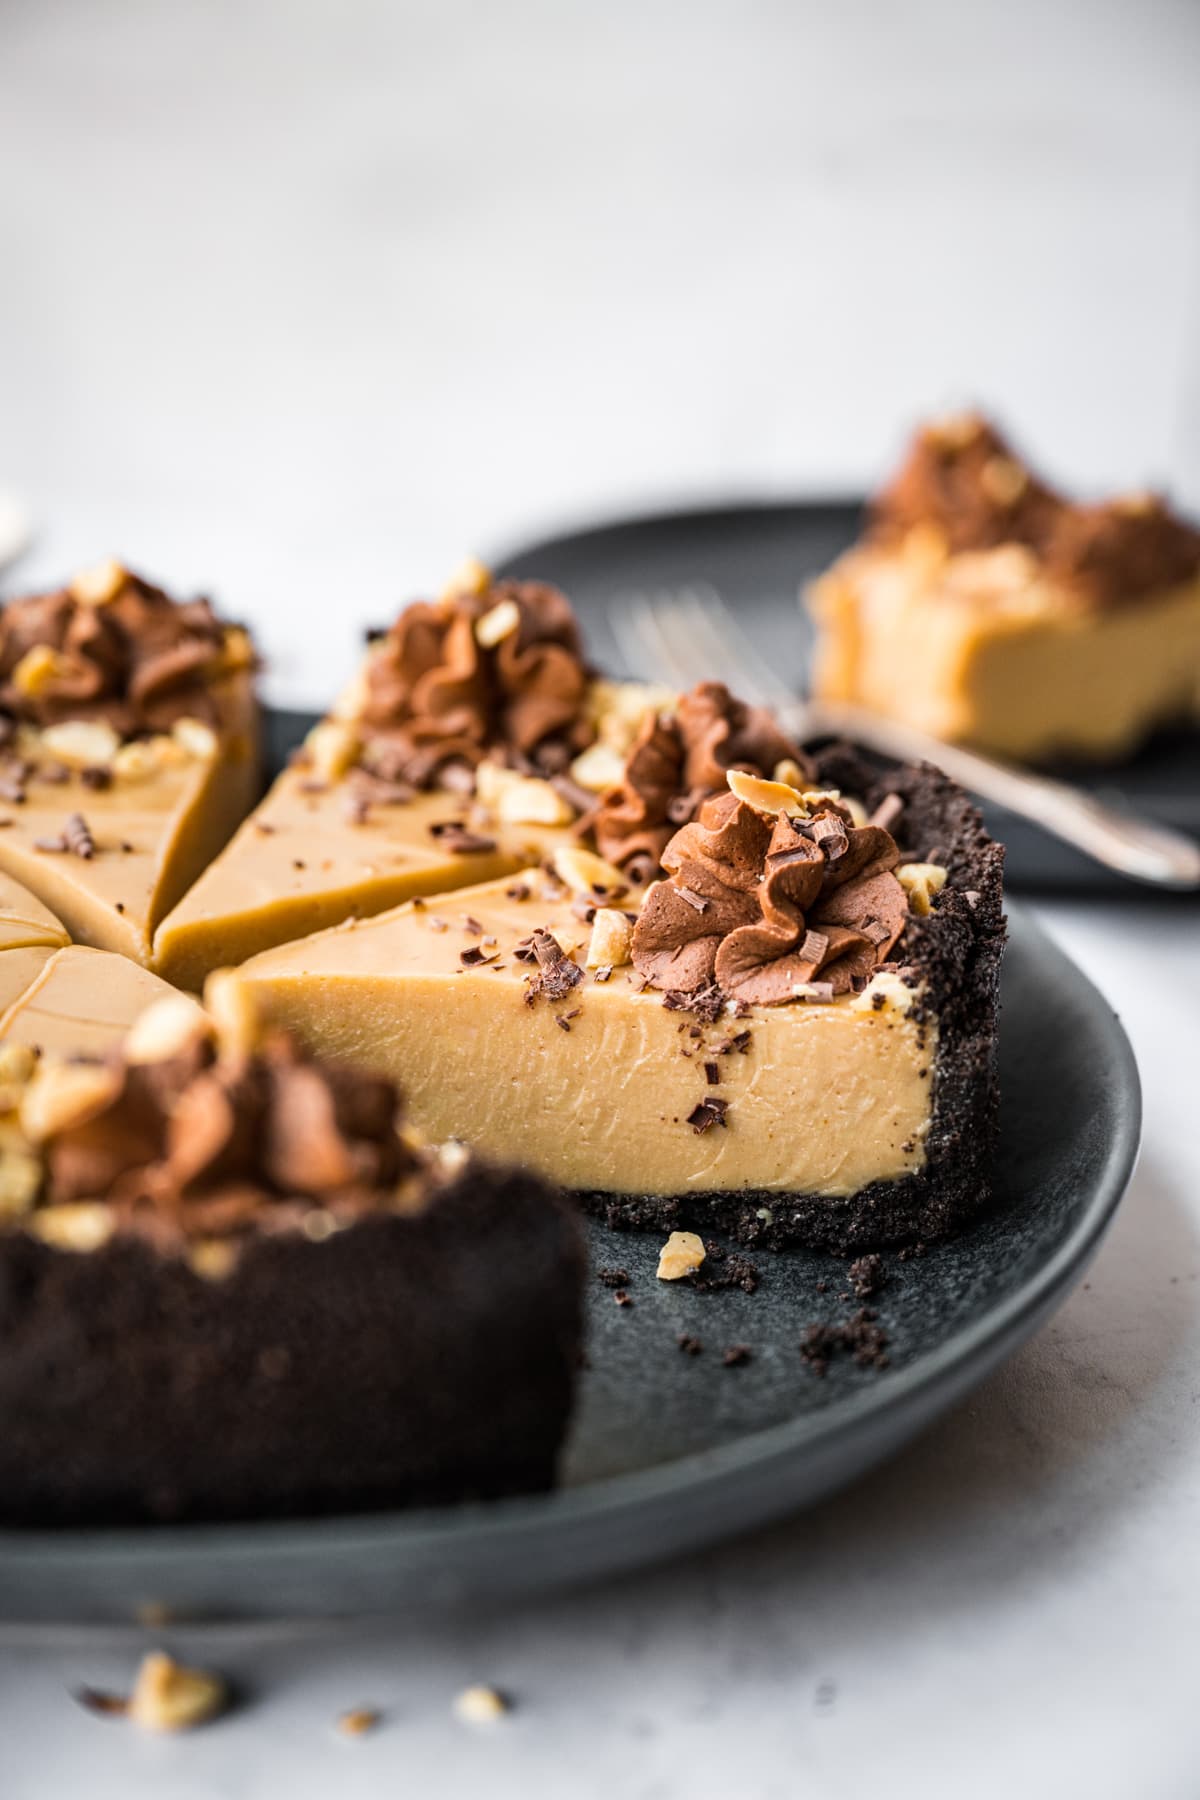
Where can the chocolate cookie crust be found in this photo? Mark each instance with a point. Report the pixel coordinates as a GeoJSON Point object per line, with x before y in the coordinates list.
{"type": "Point", "coordinates": [408, 1359]}
{"type": "Point", "coordinates": [955, 950]}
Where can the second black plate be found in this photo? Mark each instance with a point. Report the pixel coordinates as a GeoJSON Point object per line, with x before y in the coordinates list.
{"type": "Point", "coordinates": [757, 557]}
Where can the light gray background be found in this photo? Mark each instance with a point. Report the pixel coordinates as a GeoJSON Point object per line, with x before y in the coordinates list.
{"type": "Point", "coordinates": [301, 302]}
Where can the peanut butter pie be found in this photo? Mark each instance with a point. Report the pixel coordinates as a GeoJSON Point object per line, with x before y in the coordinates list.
{"type": "Point", "coordinates": [128, 751]}
{"type": "Point", "coordinates": [789, 1033]}
{"type": "Point", "coordinates": [473, 738]}
{"type": "Point", "coordinates": [234, 1282]}
{"type": "Point", "coordinates": [984, 607]}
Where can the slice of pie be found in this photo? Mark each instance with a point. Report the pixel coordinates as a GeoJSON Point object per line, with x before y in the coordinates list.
{"type": "Point", "coordinates": [233, 1283]}
{"type": "Point", "coordinates": [128, 751]}
{"type": "Point", "coordinates": [790, 1036]}
{"type": "Point", "coordinates": [472, 742]}
{"type": "Point", "coordinates": [985, 608]}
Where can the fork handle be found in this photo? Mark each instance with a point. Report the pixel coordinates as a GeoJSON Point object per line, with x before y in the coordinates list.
{"type": "Point", "coordinates": [1135, 847]}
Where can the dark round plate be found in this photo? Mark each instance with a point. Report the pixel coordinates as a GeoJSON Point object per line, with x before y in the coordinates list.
{"type": "Point", "coordinates": [757, 557]}
{"type": "Point", "coordinates": [672, 1451]}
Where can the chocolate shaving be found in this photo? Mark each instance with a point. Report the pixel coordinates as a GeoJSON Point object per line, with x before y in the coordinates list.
{"type": "Point", "coordinates": [557, 974]}
{"type": "Point", "coordinates": [708, 1003]}
{"type": "Point", "coordinates": [454, 837]}
{"type": "Point", "coordinates": [737, 1356]}
{"type": "Point", "coordinates": [709, 1112]}
{"type": "Point", "coordinates": [830, 832]}
{"type": "Point", "coordinates": [97, 1700]}
{"type": "Point", "coordinates": [712, 1073]}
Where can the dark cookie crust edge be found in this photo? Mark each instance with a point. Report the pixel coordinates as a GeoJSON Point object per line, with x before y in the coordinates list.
{"type": "Point", "coordinates": [409, 1359]}
{"type": "Point", "coordinates": [957, 951]}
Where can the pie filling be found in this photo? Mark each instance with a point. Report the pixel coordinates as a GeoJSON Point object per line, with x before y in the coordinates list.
{"type": "Point", "coordinates": [607, 1088]}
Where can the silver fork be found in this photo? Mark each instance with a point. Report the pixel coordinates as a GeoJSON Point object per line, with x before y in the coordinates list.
{"type": "Point", "coordinates": [689, 634]}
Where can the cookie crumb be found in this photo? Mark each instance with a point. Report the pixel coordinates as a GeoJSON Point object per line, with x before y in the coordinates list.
{"type": "Point", "coordinates": [867, 1275]}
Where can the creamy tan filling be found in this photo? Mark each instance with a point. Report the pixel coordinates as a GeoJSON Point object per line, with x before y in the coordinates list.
{"type": "Point", "coordinates": [979, 648]}
{"type": "Point", "coordinates": [73, 1002]}
{"type": "Point", "coordinates": [24, 921]}
{"type": "Point", "coordinates": [154, 827]}
{"type": "Point", "coordinates": [309, 858]}
{"type": "Point", "coordinates": [825, 1098]}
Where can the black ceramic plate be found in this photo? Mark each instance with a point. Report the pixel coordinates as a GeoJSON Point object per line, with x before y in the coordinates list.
{"type": "Point", "coordinates": [672, 1451]}
{"type": "Point", "coordinates": [757, 557]}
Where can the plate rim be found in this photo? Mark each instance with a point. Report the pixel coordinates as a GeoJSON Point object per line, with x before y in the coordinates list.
{"type": "Point", "coordinates": [968, 1353]}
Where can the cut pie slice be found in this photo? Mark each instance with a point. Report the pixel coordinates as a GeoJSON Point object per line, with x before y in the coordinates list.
{"type": "Point", "coordinates": [237, 1284]}
{"type": "Point", "coordinates": [982, 606]}
{"type": "Point", "coordinates": [128, 751]}
{"type": "Point", "coordinates": [791, 1036]}
{"type": "Point", "coordinates": [475, 742]}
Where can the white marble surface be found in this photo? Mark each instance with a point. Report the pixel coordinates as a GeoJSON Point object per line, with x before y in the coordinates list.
{"type": "Point", "coordinates": [300, 301]}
